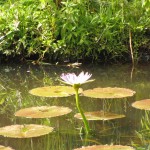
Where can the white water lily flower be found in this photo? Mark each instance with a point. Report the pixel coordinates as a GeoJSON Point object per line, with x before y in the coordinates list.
{"type": "Point", "coordinates": [73, 79]}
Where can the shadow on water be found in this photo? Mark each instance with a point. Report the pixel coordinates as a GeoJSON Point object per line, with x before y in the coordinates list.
{"type": "Point", "coordinates": [17, 80]}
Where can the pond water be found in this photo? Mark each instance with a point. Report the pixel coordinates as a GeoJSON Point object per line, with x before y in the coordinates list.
{"type": "Point", "coordinates": [134, 130]}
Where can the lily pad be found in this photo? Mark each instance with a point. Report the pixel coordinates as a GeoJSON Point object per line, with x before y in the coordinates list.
{"type": "Point", "coordinates": [43, 112]}
{"type": "Point", "coordinates": [53, 91]}
{"type": "Point", "coordinates": [5, 148]}
{"type": "Point", "coordinates": [109, 93]}
{"type": "Point", "coordinates": [99, 115]}
{"type": "Point", "coordinates": [106, 147]}
{"type": "Point", "coordinates": [142, 104]}
{"type": "Point", "coordinates": [25, 131]}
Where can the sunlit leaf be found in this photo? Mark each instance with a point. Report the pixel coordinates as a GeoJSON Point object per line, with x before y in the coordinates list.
{"type": "Point", "coordinates": [53, 91]}
{"type": "Point", "coordinates": [142, 104]}
{"type": "Point", "coordinates": [99, 115]}
{"type": "Point", "coordinates": [2, 101]}
{"type": "Point", "coordinates": [5, 148]}
{"type": "Point", "coordinates": [106, 147]}
{"type": "Point", "coordinates": [43, 112]}
{"type": "Point", "coordinates": [25, 131]}
{"type": "Point", "coordinates": [109, 93]}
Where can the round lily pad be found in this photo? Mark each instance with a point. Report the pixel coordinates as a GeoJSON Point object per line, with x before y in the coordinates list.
{"type": "Point", "coordinates": [142, 104]}
{"type": "Point", "coordinates": [106, 147]}
{"type": "Point", "coordinates": [109, 93]}
{"type": "Point", "coordinates": [99, 115]}
{"type": "Point", "coordinates": [43, 112]}
{"type": "Point", "coordinates": [25, 131]}
{"type": "Point", "coordinates": [53, 91]}
{"type": "Point", "coordinates": [5, 148]}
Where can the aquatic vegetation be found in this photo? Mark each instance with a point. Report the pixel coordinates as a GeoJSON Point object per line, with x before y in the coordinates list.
{"type": "Point", "coordinates": [53, 91]}
{"type": "Point", "coordinates": [76, 82]}
{"type": "Point", "coordinates": [106, 147]}
{"type": "Point", "coordinates": [43, 112]}
{"type": "Point", "coordinates": [109, 93]}
{"type": "Point", "coordinates": [108, 131]}
{"type": "Point", "coordinates": [142, 104]}
{"type": "Point", "coordinates": [25, 131]}
{"type": "Point", "coordinates": [99, 115]}
{"type": "Point", "coordinates": [143, 133]}
{"type": "Point", "coordinates": [145, 122]}
{"type": "Point", "coordinates": [5, 148]}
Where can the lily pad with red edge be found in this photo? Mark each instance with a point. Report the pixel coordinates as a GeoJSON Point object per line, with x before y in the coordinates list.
{"type": "Point", "coordinates": [25, 131]}
{"type": "Point", "coordinates": [142, 104]}
{"type": "Point", "coordinates": [43, 112]}
{"type": "Point", "coordinates": [54, 91]}
{"type": "Point", "coordinates": [106, 147]}
{"type": "Point", "coordinates": [5, 148]}
{"type": "Point", "coordinates": [109, 93]}
{"type": "Point", "coordinates": [99, 115]}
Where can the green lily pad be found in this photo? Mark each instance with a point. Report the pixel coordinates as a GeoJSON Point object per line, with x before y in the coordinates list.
{"type": "Point", "coordinates": [109, 93]}
{"type": "Point", "coordinates": [5, 148]}
{"type": "Point", "coordinates": [99, 115]}
{"type": "Point", "coordinates": [106, 147]}
{"type": "Point", "coordinates": [142, 104]}
{"type": "Point", "coordinates": [43, 112]}
{"type": "Point", "coordinates": [25, 131]}
{"type": "Point", "coordinates": [54, 91]}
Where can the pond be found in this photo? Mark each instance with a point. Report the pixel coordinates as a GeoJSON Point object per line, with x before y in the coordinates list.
{"type": "Point", "coordinates": [131, 130]}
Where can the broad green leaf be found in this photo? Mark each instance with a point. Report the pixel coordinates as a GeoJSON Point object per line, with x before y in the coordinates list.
{"type": "Point", "coordinates": [25, 131]}
{"type": "Point", "coordinates": [109, 93]}
{"type": "Point", "coordinates": [43, 112]}
{"type": "Point", "coordinates": [106, 147]}
{"type": "Point", "coordinates": [5, 148]}
{"type": "Point", "coordinates": [99, 115]}
{"type": "Point", "coordinates": [2, 101]}
{"type": "Point", "coordinates": [142, 104]}
{"type": "Point", "coordinates": [53, 91]}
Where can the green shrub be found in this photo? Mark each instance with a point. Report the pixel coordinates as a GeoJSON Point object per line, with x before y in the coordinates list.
{"type": "Point", "coordinates": [75, 29]}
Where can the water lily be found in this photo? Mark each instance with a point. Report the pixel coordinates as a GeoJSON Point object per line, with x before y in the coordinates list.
{"type": "Point", "coordinates": [73, 79]}
{"type": "Point", "coordinates": [76, 82]}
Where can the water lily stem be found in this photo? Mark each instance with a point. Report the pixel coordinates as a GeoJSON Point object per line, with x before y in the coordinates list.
{"type": "Point", "coordinates": [87, 129]}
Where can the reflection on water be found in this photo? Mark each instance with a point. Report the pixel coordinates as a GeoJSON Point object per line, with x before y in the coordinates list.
{"type": "Point", "coordinates": [134, 129]}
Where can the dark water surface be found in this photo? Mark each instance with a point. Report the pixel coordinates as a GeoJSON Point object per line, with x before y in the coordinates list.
{"type": "Point", "coordinates": [133, 130]}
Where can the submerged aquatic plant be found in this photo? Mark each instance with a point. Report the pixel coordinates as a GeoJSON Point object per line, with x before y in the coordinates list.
{"type": "Point", "coordinates": [76, 82]}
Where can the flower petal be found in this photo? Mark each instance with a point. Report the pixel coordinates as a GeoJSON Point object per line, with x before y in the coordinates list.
{"type": "Point", "coordinates": [72, 78]}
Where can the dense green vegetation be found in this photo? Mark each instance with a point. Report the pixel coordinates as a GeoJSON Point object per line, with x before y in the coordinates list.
{"type": "Point", "coordinates": [55, 30]}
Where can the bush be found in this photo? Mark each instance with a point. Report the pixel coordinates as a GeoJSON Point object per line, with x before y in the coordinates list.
{"type": "Point", "coordinates": [76, 29]}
